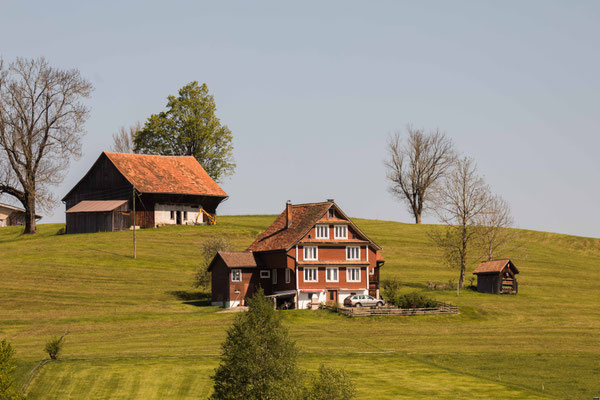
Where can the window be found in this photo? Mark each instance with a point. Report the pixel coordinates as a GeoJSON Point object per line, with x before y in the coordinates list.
{"type": "Point", "coordinates": [172, 214]}
{"type": "Point", "coordinates": [265, 273]}
{"type": "Point", "coordinates": [353, 274]}
{"type": "Point", "coordinates": [341, 232]}
{"type": "Point", "coordinates": [288, 275]}
{"type": "Point", "coordinates": [331, 214]}
{"type": "Point", "coordinates": [322, 232]}
{"type": "Point", "coordinates": [236, 275]}
{"type": "Point", "coordinates": [311, 253]}
{"type": "Point", "coordinates": [352, 253]}
{"type": "Point", "coordinates": [274, 281]}
{"type": "Point", "coordinates": [310, 274]}
{"type": "Point", "coordinates": [372, 271]}
{"type": "Point", "coordinates": [185, 215]}
{"type": "Point", "coordinates": [332, 274]}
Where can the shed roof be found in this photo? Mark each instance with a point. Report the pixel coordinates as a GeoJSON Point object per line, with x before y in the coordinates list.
{"type": "Point", "coordinates": [165, 174]}
{"type": "Point", "coordinates": [237, 259]}
{"type": "Point", "coordinates": [494, 267]}
{"type": "Point", "coordinates": [96, 206]}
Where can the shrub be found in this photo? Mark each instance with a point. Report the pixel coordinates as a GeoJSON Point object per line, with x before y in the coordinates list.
{"type": "Point", "coordinates": [390, 288]}
{"type": "Point", "coordinates": [413, 300]}
{"type": "Point", "coordinates": [330, 384]}
{"type": "Point", "coordinates": [7, 366]}
{"type": "Point", "coordinates": [54, 346]}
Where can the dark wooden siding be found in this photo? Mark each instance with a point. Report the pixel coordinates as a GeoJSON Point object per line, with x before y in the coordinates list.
{"type": "Point", "coordinates": [488, 283]}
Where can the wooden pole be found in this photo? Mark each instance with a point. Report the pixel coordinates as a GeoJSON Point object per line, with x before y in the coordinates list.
{"type": "Point", "coordinates": [134, 252]}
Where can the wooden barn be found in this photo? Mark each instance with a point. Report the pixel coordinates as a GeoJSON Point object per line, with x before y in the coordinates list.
{"type": "Point", "coordinates": [498, 277]}
{"type": "Point", "coordinates": [168, 190]}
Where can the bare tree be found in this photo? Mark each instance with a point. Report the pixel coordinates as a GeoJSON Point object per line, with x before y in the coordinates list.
{"type": "Point", "coordinates": [41, 125]}
{"type": "Point", "coordinates": [123, 139]}
{"type": "Point", "coordinates": [496, 237]}
{"type": "Point", "coordinates": [460, 202]}
{"type": "Point", "coordinates": [414, 168]}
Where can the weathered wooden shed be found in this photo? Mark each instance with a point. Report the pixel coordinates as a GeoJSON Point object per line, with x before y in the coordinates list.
{"type": "Point", "coordinates": [497, 276]}
{"type": "Point", "coordinates": [99, 216]}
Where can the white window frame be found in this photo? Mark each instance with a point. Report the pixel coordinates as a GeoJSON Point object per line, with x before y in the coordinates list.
{"type": "Point", "coordinates": [274, 276]}
{"type": "Point", "coordinates": [234, 272]}
{"type": "Point", "coordinates": [335, 231]}
{"type": "Point", "coordinates": [265, 273]}
{"type": "Point", "coordinates": [307, 250]}
{"type": "Point", "coordinates": [325, 227]}
{"type": "Point", "coordinates": [308, 271]}
{"type": "Point", "coordinates": [349, 253]}
{"type": "Point", "coordinates": [288, 275]}
{"type": "Point", "coordinates": [348, 274]}
{"type": "Point", "coordinates": [337, 274]}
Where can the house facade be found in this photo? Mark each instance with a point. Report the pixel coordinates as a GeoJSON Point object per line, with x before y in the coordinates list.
{"type": "Point", "coordinates": [12, 216]}
{"type": "Point", "coordinates": [312, 254]}
{"type": "Point", "coordinates": [168, 190]}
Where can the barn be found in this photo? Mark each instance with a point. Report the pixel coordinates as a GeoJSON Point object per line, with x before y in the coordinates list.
{"type": "Point", "coordinates": [168, 190]}
{"type": "Point", "coordinates": [498, 277]}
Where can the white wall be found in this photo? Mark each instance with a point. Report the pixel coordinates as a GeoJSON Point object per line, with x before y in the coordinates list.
{"type": "Point", "coordinates": [162, 214]}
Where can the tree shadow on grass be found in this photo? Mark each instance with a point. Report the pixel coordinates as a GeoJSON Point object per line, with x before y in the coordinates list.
{"type": "Point", "coordinates": [192, 297]}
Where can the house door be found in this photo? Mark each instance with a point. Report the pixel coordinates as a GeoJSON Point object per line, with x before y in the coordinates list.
{"type": "Point", "coordinates": [178, 217]}
{"type": "Point", "coordinates": [332, 296]}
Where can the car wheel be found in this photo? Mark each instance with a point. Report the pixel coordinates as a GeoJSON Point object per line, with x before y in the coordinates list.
{"type": "Point", "coordinates": [379, 304]}
{"type": "Point", "coordinates": [358, 305]}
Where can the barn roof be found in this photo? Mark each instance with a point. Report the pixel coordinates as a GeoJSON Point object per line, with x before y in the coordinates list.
{"type": "Point", "coordinates": [304, 216]}
{"type": "Point", "coordinates": [492, 267]}
{"type": "Point", "coordinates": [165, 174]}
{"type": "Point", "coordinates": [237, 259]}
{"type": "Point", "coordinates": [96, 206]}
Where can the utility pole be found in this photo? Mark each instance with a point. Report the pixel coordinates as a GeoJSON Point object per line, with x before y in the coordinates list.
{"type": "Point", "coordinates": [134, 255]}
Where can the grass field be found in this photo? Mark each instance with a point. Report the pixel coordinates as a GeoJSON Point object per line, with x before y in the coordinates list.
{"type": "Point", "coordinates": [138, 329]}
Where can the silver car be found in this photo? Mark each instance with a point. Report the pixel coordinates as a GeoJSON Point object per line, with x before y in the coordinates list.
{"type": "Point", "coordinates": [362, 300]}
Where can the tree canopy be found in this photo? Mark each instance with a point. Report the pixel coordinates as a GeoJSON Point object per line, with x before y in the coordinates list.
{"type": "Point", "coordinates": [189, 127]}
{"type": "Point", "coordinates": [258, 358]}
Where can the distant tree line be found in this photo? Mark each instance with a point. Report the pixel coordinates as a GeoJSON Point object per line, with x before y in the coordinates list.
{"type": "Point", "coordinates": [425, 172]}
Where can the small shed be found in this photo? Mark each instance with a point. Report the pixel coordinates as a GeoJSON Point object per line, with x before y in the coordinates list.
{"type": "Point", "coordinates": [497, 277]}
{"type": "Point", "coordinates": [99, 216]}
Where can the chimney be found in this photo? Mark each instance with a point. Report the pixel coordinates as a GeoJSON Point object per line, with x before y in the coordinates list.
{"type": "Point", "coordinates": [330, 200]}
{"type": "Point", "coordinates": [288, 212]}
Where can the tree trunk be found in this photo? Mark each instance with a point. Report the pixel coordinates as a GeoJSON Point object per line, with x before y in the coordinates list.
{"type": "Point", "coordinates": [417, 218]}
{"type": "Point", "coordinates": [29, 214]}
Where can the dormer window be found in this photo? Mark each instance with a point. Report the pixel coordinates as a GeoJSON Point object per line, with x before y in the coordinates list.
{"type": "Point", "coordinates": [331, 213]}
{"type": "Point", "coordinates": [322, 232]}
{"type": "Point", "coordinates": [341, 232]}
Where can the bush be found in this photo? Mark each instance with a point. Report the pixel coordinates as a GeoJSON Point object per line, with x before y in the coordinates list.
{"type": "Point", "coordinates": [412, 300]}
{"type": "Point", "coordinates": [330, 384]}
{"type": "Point", "coordinates": [7, 366]}
{"type": "Point", "coordinates": [390, 288]}
{"type": "Point", "coordinates": [54, 346]}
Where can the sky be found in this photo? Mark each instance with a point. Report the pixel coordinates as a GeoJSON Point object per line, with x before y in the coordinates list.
{"type": "Point", "coordinates": [311, 91]}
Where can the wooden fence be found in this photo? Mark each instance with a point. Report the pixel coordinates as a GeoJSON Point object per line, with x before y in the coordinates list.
{"type": "Point", "coordinates": [442, 308]}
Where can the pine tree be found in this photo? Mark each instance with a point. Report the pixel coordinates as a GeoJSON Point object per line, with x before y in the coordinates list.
{"type": "Point", "coordinates": [258, 359]}
{"type": "Point", "coordinates": [7, 366]}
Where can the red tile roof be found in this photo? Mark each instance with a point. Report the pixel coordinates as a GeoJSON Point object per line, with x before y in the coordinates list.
{"type": "Point", "coordinates": [279, 237]}
{"type": "Point", "coordinates": [495, 266]}
{"type": "Point", "coordinates": [96, 206]}
{"type": "Point", "coordinates": [165, 174]}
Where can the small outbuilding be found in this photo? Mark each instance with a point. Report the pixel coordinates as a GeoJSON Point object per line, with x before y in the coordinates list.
{"type": "Point", "coordinates": [12, 216]}
{"type": "Point", "coordinates": [497, 277]}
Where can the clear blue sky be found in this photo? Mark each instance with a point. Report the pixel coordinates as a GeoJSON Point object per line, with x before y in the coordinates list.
{"type": "Point", "coordinates": [311, 90]}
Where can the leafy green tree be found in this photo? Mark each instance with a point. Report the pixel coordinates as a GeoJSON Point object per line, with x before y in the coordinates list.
{"type": "Point", "coordinates": [208, 250]}
{"type": "Point", "coordinates": [258, 358]}
{"type": "Point", "coordinates": [189, 127]}
{"type": "Point", "coordinates": [7, 366]}
{"type": "Point", "coordinates": [330, 384]}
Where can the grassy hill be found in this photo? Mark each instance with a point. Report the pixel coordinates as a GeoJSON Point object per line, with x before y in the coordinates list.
{"type": "Point", "coordinates": [138, 329]}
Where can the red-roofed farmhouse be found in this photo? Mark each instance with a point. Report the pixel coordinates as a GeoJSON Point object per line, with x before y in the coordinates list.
{"type": "Point", "coordinates": [311, 254]}
{"type": "Point", "coordinates": [168, 190]}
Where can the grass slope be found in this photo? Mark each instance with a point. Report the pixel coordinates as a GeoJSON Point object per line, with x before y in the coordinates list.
{"type": "Point", "coordinates": [137, 330]}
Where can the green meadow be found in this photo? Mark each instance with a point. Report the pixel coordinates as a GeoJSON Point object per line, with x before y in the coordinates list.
{"type": "Point", "coordinates": [138, 330]}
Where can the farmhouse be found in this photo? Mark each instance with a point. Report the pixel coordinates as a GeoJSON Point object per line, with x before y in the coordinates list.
{"type": "Point", "coordinates": [312, 253]}
{"type": "Point", "coordinates": [168, 190]}
{"type": "Point", "coordinates": [11, 215]}
{"type": "Point", "coordinates": [497, 276]}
